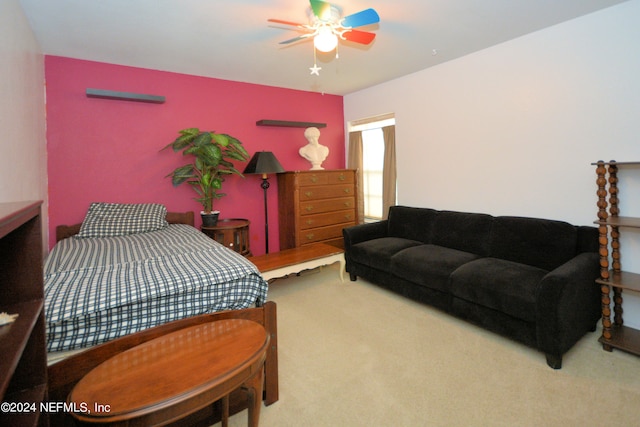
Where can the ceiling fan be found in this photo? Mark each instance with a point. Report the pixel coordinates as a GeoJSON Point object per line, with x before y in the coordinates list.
{"type": "Point", "coordinates": [326, 26]}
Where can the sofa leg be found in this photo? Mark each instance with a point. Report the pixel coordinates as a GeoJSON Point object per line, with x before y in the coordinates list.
{"type": "Point", "coordinates": [353, 277]}
{"type": "Point", "coordinates": [554, 361]}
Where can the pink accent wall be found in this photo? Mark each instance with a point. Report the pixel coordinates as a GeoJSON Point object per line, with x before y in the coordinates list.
{"type": "Point", "coordinates": [110, 150]}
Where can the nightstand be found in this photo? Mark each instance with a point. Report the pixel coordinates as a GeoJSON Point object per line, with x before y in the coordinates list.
{"type": "Point", "coordinates": [231, 232]}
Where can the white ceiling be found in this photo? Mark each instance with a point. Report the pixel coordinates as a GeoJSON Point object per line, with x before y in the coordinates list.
{"type": "Point", "coordinates": [232, 40]}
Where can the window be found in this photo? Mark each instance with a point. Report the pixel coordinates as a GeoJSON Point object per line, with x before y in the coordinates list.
{"type": "Point", "coordinates": [372, 165]}
{"type": "Point", "coordinates": [373, 153]}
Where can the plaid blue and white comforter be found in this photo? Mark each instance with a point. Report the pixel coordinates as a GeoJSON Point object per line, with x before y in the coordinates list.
{"type": "Point", "coordinates": [98, 289]}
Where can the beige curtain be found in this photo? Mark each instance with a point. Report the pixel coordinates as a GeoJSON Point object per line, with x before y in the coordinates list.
{"type": "Point", "coordinates": [389, 170]}
{"type": "Point", "coordinates": [355, 162]}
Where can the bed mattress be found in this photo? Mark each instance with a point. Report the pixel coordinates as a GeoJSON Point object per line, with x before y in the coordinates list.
{"type": "Point", "coordinates": [98, 289]}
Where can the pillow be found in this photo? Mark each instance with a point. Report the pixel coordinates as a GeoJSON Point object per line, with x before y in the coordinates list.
{"type": "Point", "coordinates": [115, 219]}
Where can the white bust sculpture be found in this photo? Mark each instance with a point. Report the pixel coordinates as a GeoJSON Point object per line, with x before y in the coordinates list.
{"type": "Point", "coordinates": [313, 151]}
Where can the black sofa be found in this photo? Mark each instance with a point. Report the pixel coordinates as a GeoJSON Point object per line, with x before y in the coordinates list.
{"type": "Point", "coordinates": [530, 279]}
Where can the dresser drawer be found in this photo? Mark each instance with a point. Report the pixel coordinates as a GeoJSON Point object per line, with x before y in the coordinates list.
{"type": "Point", "coordinates": [327, 205]}
{"type": "Point", "coordinates": [324, 219]}
{"type": "Point", "coordinates": [326, 192]}
{"type": "Point", "coordinates": [326, 177]}
{"type": "Point", "coordinates": [323, 233]}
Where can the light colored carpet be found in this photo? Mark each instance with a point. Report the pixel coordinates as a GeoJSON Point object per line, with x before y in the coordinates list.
{"type": "Point", "coordinates": [354, 354]}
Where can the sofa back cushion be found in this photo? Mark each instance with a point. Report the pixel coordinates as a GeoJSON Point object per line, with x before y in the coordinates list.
{"type": "Point", "coordinates": [587, 239]}
{"type": "Point", "coordinates": [542, 243]}
{"type": "Point", "coordinates": [411, 223]}
{"type": "Point", "coordinates": [463, 231]}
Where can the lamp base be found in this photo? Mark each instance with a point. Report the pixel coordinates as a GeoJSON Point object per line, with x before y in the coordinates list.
{"type": "Point", "coordinates": [265, 186]}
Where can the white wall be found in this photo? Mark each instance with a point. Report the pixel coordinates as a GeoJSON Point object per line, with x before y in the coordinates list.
{"type": "Point", "coordinates": [512, 130]}
{"type": "Point", "coordinates": [23, 158]}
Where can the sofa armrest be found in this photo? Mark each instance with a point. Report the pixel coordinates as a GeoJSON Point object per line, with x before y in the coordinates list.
{"type": "Point", "coordinates": [363, 232]}
{"type": "Point", "coordinates": [568, 303]}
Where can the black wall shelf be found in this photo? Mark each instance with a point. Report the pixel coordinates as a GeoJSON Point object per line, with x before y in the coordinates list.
{"type": "Point", "coordinates": [290, 124]}
{"type": "Point", "coordinates": [124, 96]}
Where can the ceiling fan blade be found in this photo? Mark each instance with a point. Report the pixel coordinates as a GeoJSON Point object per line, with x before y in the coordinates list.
{"type": "Point", "coordinates": [295, 39]}
{"type": "Point", "coordinates": [280, 21]}
{"type": "Point", "coordinates": [321, 9]}
{"type": "Point", "coordinates": [358, 19]}
{"type": "Point", "coordinates": [357, 36]}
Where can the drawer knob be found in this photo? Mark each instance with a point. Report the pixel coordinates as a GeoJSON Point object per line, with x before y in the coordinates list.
{"type": "Point", "coordinates": [309, 222]}
{"type": "Point", "coordinates": [310, 236]}
{"type": "Point", "coordinates": [308, 193]}
{"type": "Point", "coordinates": [347, 204]}
{"type": "Point", "coordinates": [309, 208]}
{"type": "Point", "coordinates": [314, 179]}
{"type": "Point", "coordinates": [342, 177]}
{"type": "Point", "coordinates": [348, 217]}
{"type": "Point", "coordinates": [347, 190]}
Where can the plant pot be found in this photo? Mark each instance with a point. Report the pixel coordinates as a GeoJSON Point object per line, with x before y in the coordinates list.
{"type": "Point", "coordinates": [210, 219]}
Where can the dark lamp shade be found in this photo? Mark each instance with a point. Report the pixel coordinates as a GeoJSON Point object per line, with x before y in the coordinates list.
{"type": "Point", "coordinates": [263, 162]}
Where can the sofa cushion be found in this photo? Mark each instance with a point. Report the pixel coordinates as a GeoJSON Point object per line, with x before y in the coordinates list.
{"type": "Point", "coordinates": [502, 285]}
{"type": "Point", "coordinates": [411, 223]}
{"type": "Point", "coordinates": [468, 232]}
{"type": "Point", "coordinates": [429, 265]}
{"type": "Point", "coordinates": [542, 243]}
{"type": "Point", "coordinates": [377, 252]}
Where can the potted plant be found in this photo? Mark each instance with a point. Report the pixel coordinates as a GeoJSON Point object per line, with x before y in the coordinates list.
{"type": "Point", "coordinates": [212, 155]}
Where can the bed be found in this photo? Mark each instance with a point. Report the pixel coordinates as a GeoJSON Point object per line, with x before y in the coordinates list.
{"type": "Point", "coordinates": [129, 270]}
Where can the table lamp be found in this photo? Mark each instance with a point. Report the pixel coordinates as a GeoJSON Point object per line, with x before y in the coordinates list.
{"type": "Point", "coordinates": [264, 163]}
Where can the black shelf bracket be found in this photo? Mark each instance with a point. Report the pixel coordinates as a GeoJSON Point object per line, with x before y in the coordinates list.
{"type": "Point", "coordinates": [290, 124]}
{"type": "Point", "coordinates": [124, 96]}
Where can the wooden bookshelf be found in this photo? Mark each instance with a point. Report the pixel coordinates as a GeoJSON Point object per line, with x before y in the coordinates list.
{"type": "Point", "coordinates": [23, 365]}
{"type": "Point", "coordinates": [613, 280]}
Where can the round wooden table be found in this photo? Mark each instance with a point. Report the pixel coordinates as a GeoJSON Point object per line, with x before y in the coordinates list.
{"type": "Point", "coordinates": [172, 376]}
{"type": "Point", "coordinates": [231, 232]}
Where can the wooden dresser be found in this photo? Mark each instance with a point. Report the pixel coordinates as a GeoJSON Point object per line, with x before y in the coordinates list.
{"type": "Point", "coordinates": [314, 206]}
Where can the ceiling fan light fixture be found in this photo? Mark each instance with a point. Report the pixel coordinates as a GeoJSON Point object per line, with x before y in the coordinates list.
{"type": "Point", "coordinates": [325, 40]}
{"type": "Point", "coordinates": [326, 25]}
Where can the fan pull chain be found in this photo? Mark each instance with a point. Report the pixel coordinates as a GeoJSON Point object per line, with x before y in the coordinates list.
{"type": "Point", "coordinates": [315, 69]}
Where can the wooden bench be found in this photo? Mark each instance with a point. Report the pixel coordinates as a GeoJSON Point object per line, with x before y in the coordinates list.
{"type": "Point", "coordinates": [295, 260]}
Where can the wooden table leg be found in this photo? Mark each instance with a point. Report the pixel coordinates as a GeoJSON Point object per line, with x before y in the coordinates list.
{"type": "Point", "coordinates": [253, 386]}
{"type": "Point", "coordinates": [225, 411]}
